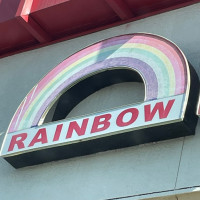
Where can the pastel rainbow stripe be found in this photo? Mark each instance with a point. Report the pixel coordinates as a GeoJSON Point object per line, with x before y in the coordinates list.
{"type": "Point", "coordinates": [160, 63]}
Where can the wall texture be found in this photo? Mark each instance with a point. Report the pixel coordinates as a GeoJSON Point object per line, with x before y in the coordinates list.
{"type": "Point", "coordinates": [169, 166]}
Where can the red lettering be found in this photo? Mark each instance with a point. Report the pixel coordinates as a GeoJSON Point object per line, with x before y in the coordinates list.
{"type": "Point", "coordinates": [134, 112]}
{"type": "Point", "coordinates": [57, 132]}
{"type": "Point", "coordinates": [101, 120]}
{"type": "Point", "coordinates": [41, 136]}
{"type": "Point", "coordinates": [17, 140]}
{"type": "Point", "coordinates": [79, 130]}
{"type": "Point", "coordinates": [163, 113]}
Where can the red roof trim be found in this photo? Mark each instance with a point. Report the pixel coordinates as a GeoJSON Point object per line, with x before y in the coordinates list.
{"type": "Point", "coordinates": [38, 32]}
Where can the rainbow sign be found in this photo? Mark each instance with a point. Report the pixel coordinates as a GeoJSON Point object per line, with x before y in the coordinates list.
{"type": "Point", "coordinates": [160, 63]}
{"type": "Point", "coordinates": [168, 110]}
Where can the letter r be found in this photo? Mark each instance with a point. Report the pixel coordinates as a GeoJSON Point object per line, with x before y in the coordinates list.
{"type": "Point", "coordinates": [17, 140]}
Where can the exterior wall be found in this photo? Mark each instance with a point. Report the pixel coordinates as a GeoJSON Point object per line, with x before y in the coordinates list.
{"type": "Point", "coordinates": [155, 169]}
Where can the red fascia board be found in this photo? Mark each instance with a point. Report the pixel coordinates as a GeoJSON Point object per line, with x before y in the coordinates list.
{"type": "Point", "coordinates": [41, 4]}
{"type": "Point", "coordinates": [13, 36]}
{"type": "Point", "coordinates": [101, 28]}
{"type": "Point", "coordinates": [34, 29]}
{"type": "Point", "coordinates": [20, 8]}
{"type": "Point", "coordinates": [120, 8]}
{"type": "Point", "coordinates": [29, 24]}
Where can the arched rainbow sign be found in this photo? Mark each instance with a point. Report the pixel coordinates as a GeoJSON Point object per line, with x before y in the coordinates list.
{"type": "Point", "coordinates": [160, 63]}
{"type": "Point", "coordinates": [162, 66]}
